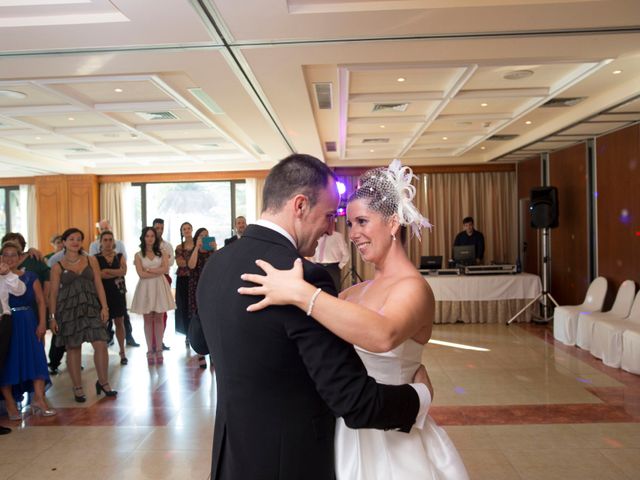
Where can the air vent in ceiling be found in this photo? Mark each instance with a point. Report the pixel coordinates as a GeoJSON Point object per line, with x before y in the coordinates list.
{"type": "Point", "coordinates": [206, 100]}
{"type": "Point", "coordinates": [385, 107]}
{"type": "Point", "coordinates": [209, 145]}
{"type": "Point", "coordinates": [151, 116]}
{"type": "Point", "coordinates": [501, 138]}
{"type": "Point", "coordinates": [330, 146]}
{"type": "Point", "coordinates": [375, 140]}
{"type": "Point", "coordinates": [323, 95]}
{"type": "Point", "coordinates": [562, 102]}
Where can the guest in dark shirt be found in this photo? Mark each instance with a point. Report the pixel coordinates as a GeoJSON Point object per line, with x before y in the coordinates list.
{"type": "Point", "coordinates": [471, 236]}
{"type": "Point", "coordinates": [241, 225]}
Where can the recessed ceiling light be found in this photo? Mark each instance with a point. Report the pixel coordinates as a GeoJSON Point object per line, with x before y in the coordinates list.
{"type": "Point", "coordinates": [38, 138]}
{"type": "Point", "coordinates": [401, 79]}
{"type": "Point", "coordinates": [445, 138]}
{"type": "Point", "coordinates": [71, 119]}
{"type": "Point", "coordinates": [382, 126]}
{"type": "Point", "coordinates": [12, 94]}
{"type": "Point", "coordinates": [371, 151]}
{"type": "Point", "coordinates": [528, 122]}
{"type": "Point", "coordinates": [617, 72]}
{"type": "Point", "coordinates": [118, 90]}
{"type": "Point", "coordinates": [517, 74]}
{"type": "Point", "coordinates": [483, 148]}
{"type": "Point", "coordinates": [484, 104]}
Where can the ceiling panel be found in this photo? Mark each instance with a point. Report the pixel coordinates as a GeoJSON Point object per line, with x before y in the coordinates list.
{"type": "Point", "coordinates": [87, 70]}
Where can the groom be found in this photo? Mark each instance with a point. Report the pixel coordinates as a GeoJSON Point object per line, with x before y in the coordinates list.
{"type": "Point", "coordinates": [282, 378]}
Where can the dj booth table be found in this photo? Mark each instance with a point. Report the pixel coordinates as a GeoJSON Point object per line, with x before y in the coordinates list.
{"type": "Point", "coordinates": [483, 298]}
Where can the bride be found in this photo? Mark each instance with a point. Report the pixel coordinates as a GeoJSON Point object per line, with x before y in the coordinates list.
{"type": "Point", "coordinates": [388, 319]}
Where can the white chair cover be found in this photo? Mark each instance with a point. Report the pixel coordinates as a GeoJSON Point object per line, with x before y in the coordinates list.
{"type": "Point", "coordinates": [565, 318]}
{"type": "Point", "coordinates": [606, 342]}
{"type": "Point", "coordinates": [631, 350]}
{"type": "Point", "coordinates": [620, 309]}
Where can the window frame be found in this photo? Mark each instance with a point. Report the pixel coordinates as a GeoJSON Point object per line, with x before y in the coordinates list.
{"type": "Point", "coordinates": [232, 193]}
{"type": "Point", "coordinates": [7, 205]}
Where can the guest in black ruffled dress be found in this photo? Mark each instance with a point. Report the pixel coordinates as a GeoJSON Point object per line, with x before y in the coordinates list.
{"type": "Point", "coordinates": [81, 312]}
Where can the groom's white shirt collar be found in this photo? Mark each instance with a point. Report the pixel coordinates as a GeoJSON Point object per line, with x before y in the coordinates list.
{"type": "Point", "coordinates": [277, 228]}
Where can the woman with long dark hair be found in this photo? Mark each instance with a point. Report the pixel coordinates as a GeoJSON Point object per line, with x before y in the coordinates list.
{"type": "Point", "coordinates": [113, 268]}
{"type": "Point", "coordinates": [198, 258]}
{"type": "Point", "coordinates": [183, 253]}
{"type": "Point", "coordinates": [152, 297]}
{"type": "Point", "coordinates": [81, 312]}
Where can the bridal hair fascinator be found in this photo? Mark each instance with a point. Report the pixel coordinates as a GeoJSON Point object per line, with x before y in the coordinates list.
{"type": "Point", "coordinates": [389, 191]}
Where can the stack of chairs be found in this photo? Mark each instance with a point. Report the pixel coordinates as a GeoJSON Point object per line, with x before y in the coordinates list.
{"type": "Point", "coordinates": [612, 336]}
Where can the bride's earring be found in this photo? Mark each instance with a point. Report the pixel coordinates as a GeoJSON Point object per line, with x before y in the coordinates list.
{"type": "Point", "coordinates": [393, 236]}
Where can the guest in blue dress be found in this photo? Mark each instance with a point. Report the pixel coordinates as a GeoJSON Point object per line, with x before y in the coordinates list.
{"type": "Point", "coordinates": [25, 368]}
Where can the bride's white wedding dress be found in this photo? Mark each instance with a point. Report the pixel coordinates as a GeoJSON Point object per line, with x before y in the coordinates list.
{"type": "Point", "coordinates": [421, 454]}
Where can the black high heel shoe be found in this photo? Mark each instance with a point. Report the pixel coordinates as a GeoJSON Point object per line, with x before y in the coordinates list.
{"type": "Point", "coordinates": [79, 398]}
{"type": "Point", "coordinates": [100, 388]}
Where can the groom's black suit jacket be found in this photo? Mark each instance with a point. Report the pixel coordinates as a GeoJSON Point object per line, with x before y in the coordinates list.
{"type": "Point", "coordinates": [282, 378]}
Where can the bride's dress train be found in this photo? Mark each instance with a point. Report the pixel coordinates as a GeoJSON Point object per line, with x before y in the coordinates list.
{"type": "Point", "coordinates": [422, 454]}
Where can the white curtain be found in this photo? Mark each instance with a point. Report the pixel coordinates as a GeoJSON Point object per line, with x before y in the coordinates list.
{"type": "Point", "coordinates": [28, 211]}
{"type": "Point", "coordinates": [112, 206]}
{"type": "Point", "coordinates": [488, 197]}
{"type": "Point", "coordinates": [254, 198]}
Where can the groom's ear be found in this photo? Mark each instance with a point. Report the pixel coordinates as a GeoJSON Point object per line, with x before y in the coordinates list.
{"type": "Point", "coordinates": [300, 205]}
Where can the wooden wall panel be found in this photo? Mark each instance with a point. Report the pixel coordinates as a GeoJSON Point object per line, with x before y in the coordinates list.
{"type": "Point", "coordinates": [65, 201]}
{"type": "Point", "coordinates": [529, 176]}
{"type": "Point", "coordinates": [51, 198]}
{"type": "Point", "coordinates": [618, 206]}
{"type": "Point", "coordinates": [570, 241]}
{"type": "Point", "coordinates": [83, 197]}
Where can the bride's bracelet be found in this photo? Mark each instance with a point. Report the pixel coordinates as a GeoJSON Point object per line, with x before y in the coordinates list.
{"type": "Point", "coordinates": [312, 301]}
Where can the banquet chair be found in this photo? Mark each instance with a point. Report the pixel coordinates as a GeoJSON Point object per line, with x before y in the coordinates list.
{"type": "Point", "coordinates": [606, 342]}
{"type": "Point", "coordinates": [565, 318]}
{"type": "Point", "coordinates": [631, 349]}
{"type": "Point", "coordinates": [620, 309]}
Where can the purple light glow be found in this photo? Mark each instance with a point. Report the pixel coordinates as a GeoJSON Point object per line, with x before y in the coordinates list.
{"type": "Point", "coordinates": [341, 188]}
{"type": "Point", "coordinates": [459, 390]}
{"type": "Point", "coordinates": [624, 216]}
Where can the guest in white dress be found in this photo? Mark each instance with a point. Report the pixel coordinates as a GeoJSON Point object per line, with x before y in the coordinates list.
{"type": "Point", "coordinates": [389, 319]}
{"type": "Point", "coordinates": [152, 297]}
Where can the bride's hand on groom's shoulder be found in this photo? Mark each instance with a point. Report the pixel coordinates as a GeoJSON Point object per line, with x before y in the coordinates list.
{"type": "Point", "coordinates": [279, 287]}
{"type": "Point", "coordinates": [421, 376]}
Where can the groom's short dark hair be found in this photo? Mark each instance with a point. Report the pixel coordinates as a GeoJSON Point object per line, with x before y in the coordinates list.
{"type": "Point", "coordinates": [296, 174]}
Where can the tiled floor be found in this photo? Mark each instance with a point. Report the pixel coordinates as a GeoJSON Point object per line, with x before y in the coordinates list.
{"type": "Point", "coordinates": [523, 408]}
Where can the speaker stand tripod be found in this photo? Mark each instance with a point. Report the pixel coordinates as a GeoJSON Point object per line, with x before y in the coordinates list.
{"type": "Point", "coordinates": [545, 296]}
{"type": "Point", "coordinates": [355, 278]}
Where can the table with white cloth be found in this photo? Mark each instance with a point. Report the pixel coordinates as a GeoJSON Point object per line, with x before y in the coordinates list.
{"type": "Point", "coordinates": [483, 298]}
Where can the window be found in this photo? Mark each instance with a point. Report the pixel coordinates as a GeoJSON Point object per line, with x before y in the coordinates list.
{"type": "Point", "coordinates": [11, 218]}
{"type": "Point", "coordinates": [212, 205]}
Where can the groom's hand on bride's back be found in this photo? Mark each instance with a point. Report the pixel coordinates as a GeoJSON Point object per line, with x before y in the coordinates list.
{"type": "Point", "coordinates": [421, 376]}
